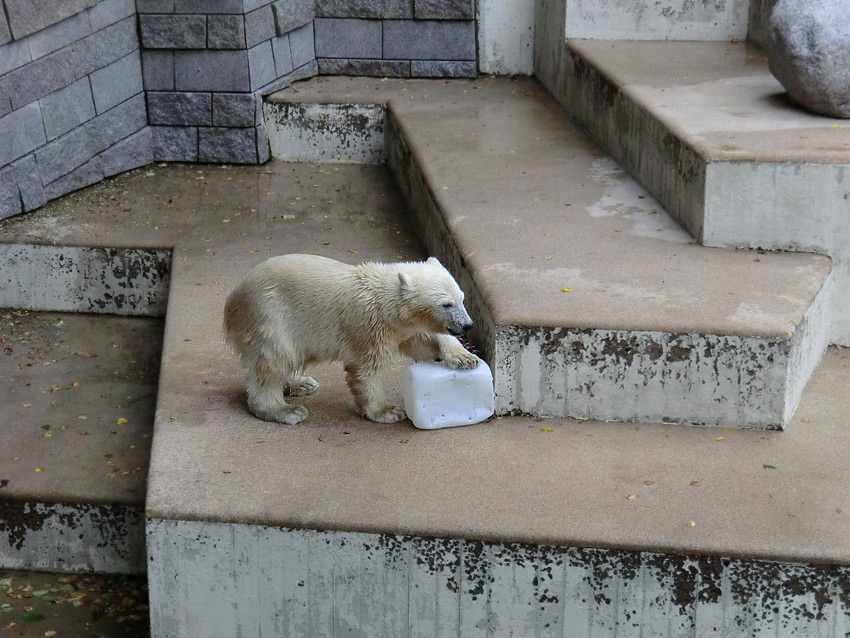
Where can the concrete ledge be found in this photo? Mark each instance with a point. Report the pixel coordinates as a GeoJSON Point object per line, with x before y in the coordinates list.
{"type": "Point", "coordinates": [106, 539]}
{"type": "Point", "coordinates": [350, 133]}
{"type": "Point", "coordinates": [292, 582]}
{"type": "Point", "coordinates": [121, 281]}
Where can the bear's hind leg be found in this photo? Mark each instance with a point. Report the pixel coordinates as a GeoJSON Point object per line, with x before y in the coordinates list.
{"type": "Point", "coordinates": [300, 385]}
{"type": "Point", "coordinates": [264, 383]}
{"type": "Point", "coordinates": [369, 397]}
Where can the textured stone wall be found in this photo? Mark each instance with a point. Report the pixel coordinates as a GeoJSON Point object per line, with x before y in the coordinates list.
{"type": "Point", "coordinates": [207, 65]}
{"type": "Point", "coordinates": [396, 38]}
{"type": "Point", "coordinates": [72, 109]}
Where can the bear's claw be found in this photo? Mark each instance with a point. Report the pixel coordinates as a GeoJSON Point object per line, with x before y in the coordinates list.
{"type": "Point", "coordinates": [462, 360]}
{"type": "Point", "coordinates": [387, 414]}
{"type": "Point", "coordinates": [301, 386]}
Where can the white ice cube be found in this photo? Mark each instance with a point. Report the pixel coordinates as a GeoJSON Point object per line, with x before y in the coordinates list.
{"type": "Point", "coordinates": [435, 396]}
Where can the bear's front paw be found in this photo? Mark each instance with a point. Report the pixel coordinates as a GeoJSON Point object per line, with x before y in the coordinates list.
{"type": "Point", "coordinates": [461, 360]}
{"type": "Point", "coordinates": [386, 414]}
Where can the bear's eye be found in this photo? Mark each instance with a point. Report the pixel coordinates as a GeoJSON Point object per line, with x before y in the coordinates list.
{"type": "Point", "coordinates": [449, 304]}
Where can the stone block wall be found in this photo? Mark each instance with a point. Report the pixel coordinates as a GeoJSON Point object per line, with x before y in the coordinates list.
{"type": "Point", "coordinates": [396, 38]}
{"type": "Point", "coordinates": [72, 109]}
{"type": "Point", "coordinates": [207, 64]}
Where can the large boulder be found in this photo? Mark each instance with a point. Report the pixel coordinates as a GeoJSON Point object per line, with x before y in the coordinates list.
{"type": "Point", "coordinates": [809, 53]}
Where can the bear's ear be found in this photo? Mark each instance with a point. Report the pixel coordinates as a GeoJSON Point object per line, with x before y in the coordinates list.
{"type": "Point", "coordinates": [404, 280]}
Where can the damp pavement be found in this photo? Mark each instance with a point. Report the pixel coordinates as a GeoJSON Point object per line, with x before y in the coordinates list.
{"type": "Point", "coordinates": [35, 604]}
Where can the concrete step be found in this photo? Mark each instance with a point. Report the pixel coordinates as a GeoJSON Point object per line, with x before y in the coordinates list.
{"type": "Point", "coordinates": [707, 130]}
{"type": "Point", "coordinates": [591, 301]}
{"type": "Point", "coordinates": [81, 330]}
{"type": "Point", "coordinates": [79, 397]}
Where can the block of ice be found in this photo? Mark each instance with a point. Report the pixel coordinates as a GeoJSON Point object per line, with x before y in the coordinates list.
{"type": "Point", "coordinates": [435, 396]}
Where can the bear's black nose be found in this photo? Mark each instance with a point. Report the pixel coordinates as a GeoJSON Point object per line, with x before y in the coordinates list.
{"type": "Point", "coordinates": [466, 327]}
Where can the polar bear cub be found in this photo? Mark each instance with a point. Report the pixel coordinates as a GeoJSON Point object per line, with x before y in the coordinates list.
{"type": "Point", "coordinates": [296, 310]}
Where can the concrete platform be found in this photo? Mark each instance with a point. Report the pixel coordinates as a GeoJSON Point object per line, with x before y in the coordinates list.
{"type": "Point", "coordinates": [530, 213]}
{"type": "Point", "coordinates": [230, 497]}
{"type": "Point", "coordinates": [709, 131]}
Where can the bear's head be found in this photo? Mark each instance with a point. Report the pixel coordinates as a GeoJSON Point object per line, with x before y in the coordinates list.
{"type": "Point", "coordinates": [430, 291]}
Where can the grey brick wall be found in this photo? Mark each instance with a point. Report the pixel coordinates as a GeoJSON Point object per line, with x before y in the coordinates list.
{"type": "Point", "coordinates": [71, 98]}
{"type": "Point", "coordinates": [206, 65]}
{"type": "Point", "coordinates": [402, 38]}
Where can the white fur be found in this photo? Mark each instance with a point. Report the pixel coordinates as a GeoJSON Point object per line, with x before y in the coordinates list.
{"type": "Point", "coordinates": [296, 310]}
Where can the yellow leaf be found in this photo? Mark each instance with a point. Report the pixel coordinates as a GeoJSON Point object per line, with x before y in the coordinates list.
{"type": "Point", "coordinates": [47, 435]}
{"type": "Point", "coordinates": [691, 523]}
{"type": "Point", "coordinates": [631, 497]}
{"type": "Point", "coordinates": [121, 421]}
{"type": "Point", "coordinates": [38, 469]}
{"type": "Point", "coordinates": [719, 438]}
{"type": "Point", "coordinates": [566, 289]}
{"type": "Point", "coordinates": [546, 429]}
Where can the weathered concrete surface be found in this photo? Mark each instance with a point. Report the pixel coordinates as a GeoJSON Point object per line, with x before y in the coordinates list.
{"type": "Point", "coordinates": [350, 133]}
{"type": "Point", "coordinates": [641, 20]}
{"type": "Point", "coordinates": [80, 394]}
{"type": "Point", "coordinates": [506, 37]}
{"type": "Point", "coordinates": [292, 583]}
{"type": "Point", "coordinates": [708, 131]}
{"type": "Point", "coordinates": [128, 281]}
{"type": "Point", "coordinates": [76, 538]}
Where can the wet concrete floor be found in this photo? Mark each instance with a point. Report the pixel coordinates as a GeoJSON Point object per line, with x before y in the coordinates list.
{"type": "Point", "coordinates": [33, 605]}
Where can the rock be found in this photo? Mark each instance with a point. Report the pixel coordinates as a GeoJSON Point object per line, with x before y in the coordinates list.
{"type": "Point", "coordinates": [809, 53]}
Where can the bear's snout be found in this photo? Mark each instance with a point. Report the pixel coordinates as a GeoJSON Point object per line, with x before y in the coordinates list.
{"type": "Point", "coordinates": [461, 330]}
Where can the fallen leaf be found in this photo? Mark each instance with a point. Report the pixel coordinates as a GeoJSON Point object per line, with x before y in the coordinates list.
{"type": "Point", "coordinates": [121, 421]}
{"type": "Point", "coordinates": [566, 289]}
{"type": "Point", "coordinates": [691, 523]}
{"type": "Point", "coordinates": [631, 497]}
{"type": "Point", "coordinates": [649, 482]}
{"type": "Point", "coordinates": [719, 438]}
{"type": "Point", "coordinates": [39, 469]}
{"type": "Point", "coordinates": [696, 483]}
{"type": "Point", "coordinates": [546, 429]}
{"type": "Point", "coordinates": [769, 467]}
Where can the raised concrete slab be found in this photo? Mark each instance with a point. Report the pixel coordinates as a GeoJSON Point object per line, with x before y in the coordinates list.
{"type": "Point", "coordinates": [710, 132]}
{"type": "Point", "coordinates": [219, 476]}
{"type": "Point", "coordinates": [591, 301]}
{"type": "Point", "coordinates": [80, 394]}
